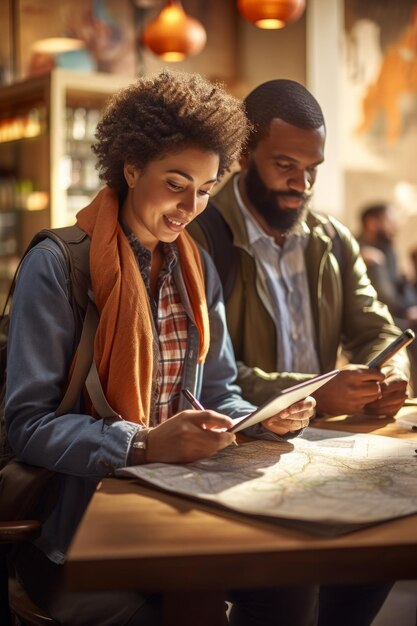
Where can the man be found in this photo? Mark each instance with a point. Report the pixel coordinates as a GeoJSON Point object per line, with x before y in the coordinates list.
{"type": "Point", "coordinates": [379, 229]}
{"type": "Point", "coordinates": [300, 291]}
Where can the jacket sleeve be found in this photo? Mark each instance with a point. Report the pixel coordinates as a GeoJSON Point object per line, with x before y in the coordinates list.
{"type": "Point", "coordinates": [41, 345]}
{"type": "Point", "coordinates": [259, 386]}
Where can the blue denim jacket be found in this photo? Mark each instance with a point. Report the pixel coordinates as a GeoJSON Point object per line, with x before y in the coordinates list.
{"type": "Point", "coordinates": [82, 449]}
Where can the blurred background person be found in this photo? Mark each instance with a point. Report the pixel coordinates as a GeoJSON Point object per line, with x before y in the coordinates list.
{"type": "Point", "coordinates": [377, 240]}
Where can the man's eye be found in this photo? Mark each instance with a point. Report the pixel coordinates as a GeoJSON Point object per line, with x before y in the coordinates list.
{"type": "Point", "coordinates": [282, 165]}
{"type": "Point", "coordinates": [204, 192]}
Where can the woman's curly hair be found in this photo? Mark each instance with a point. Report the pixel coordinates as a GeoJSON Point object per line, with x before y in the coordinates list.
{"type": "Point", "coordinates": [166, 113]}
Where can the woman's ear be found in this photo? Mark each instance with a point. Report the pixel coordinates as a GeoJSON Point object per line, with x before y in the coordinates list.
{"type": "Point", "coordinates": [131, 174]}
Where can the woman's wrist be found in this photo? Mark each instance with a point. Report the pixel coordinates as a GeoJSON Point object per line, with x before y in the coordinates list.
{"type": "Point", "coordinates": [138, 447]}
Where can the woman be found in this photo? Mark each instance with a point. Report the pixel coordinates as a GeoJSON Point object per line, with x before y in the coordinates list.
{"type": "Point", "coordinates": [161, 146]}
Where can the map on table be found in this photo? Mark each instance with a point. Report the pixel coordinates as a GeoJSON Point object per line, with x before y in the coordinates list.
{"type": "Point", "coordinates": [324, 481]}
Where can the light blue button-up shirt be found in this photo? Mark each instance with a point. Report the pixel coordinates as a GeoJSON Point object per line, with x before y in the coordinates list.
{"type": "Point", "coordinates": [283, 268]}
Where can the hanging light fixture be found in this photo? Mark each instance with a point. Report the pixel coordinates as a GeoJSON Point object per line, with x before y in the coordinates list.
{"type": "Point", "coordinates": [173, 35]}
{"type": "Point", "coordinates": [271, 13]}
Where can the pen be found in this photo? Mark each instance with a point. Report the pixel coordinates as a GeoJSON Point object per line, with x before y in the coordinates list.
{"type": "Point", "coordinates": [192, 400]}
{"type": "Point", "coordinates": [195, 403]}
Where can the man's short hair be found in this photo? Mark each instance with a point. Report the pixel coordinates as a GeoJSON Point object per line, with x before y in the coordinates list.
{"type": "Point", "coordinates": [283, 99]}
{"type": "Point", "coordinates": [373, 210]}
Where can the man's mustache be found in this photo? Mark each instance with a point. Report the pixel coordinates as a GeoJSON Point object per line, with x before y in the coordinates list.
{"type": "Point", "coordinates": [292, 194]}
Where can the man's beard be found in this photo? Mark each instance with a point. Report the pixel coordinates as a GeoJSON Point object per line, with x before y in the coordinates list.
{"type": "Point", "coordinates": [383, 239]}
{"type": "Point", "coordinates": [267, 202]}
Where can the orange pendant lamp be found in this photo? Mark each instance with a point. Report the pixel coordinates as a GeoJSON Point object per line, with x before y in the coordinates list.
{"type": "Point", "coordinates": [173, 35]}
{"type": "Point", "coordinates": [271, 13]}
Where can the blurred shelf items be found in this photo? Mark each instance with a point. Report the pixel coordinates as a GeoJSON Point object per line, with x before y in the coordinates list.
{"type": "Point", "coordinates": [47, 168]}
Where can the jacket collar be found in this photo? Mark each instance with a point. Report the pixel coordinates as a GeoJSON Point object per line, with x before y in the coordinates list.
{"type": "Point", "coordinates": [226, 202]}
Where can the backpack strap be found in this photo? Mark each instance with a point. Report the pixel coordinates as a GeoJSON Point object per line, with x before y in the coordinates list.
{"type": "Point", "coordinates": [85, 371]}
{"type": "Point", "coordinates": [76, 249]}
{"type": "Point", "coordinates": [74, 244]}
{"type": "Point", "coordinates": [219, 239]}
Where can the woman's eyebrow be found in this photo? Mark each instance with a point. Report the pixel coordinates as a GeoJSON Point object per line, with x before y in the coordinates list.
{"type": "Point", "coordinates": [190, 178]}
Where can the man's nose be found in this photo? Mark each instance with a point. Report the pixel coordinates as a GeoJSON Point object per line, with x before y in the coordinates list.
{"type": "Point", "coordinates": [301, 182]}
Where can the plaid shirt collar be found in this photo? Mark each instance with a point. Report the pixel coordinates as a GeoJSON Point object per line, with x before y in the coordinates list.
{"type": "Point", "coordinates": [143, 257]}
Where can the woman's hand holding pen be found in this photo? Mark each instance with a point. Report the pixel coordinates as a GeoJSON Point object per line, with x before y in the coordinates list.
{"type": "Point", "coordinates": [189, 436]}
{"type": "Point", "coordinates": [293, 418]}
{"type": "Point", "coordinates": [199, 433]}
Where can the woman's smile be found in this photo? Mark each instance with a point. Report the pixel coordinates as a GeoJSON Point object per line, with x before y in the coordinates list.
{"type": "Point", "coordinates": [175, 224]}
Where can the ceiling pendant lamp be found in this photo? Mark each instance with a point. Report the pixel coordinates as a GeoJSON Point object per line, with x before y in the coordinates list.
{"type": "Point", "coordinates": [173, 35]}
{"type": "Point", "coordinates": [271, 13]}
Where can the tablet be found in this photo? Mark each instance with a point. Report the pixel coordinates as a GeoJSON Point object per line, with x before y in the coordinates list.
{"type": "Point", "coordinates": [282, 400]}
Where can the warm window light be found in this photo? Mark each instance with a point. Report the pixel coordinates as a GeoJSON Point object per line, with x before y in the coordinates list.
{"type": "Point", "coordinates": [271, 13]}
{"type": "Point", "coordinates": [57, 45]}
{"type": "Point", "coordinates": [173, 35]}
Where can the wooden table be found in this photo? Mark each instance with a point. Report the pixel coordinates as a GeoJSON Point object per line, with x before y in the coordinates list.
{"type": "Point", "coordinates": [134, 537]}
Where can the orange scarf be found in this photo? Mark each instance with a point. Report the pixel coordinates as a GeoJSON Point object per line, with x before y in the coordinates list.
{"type": "Point", "coordinates": [123, 344]}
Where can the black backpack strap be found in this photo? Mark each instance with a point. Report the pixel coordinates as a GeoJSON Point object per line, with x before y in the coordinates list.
{"type": "Point", "coordinates": [219, 239]}
{"type": "Point", "coordinates": [75, 246]}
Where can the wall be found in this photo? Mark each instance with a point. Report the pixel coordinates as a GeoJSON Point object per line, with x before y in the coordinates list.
{"type": "Point", "coordinates": [323, 80]}
{"type": "Point", "coordinates": [378, 130]}
{"type": "Point", "coordinates": [237, 52]}
{"type": "Point", "coordinates": [267, 54]}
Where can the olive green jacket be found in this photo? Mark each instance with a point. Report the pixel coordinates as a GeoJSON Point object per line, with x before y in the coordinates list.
{"type": "Point", "coordinates": [346, 312]}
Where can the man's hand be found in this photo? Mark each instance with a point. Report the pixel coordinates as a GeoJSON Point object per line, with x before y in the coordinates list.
{"type": "Point", "coordinates": [393, 393]}
{"type": "Point", "coordinates": [189, 436]}
{"type": "Point", "coordinates": [355, 387]}
{"type": "Point", "coordinates": [293, 418]}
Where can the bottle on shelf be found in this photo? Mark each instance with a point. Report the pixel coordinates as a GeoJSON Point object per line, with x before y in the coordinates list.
{"type": "Point", "coordinates": [79, 123]}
